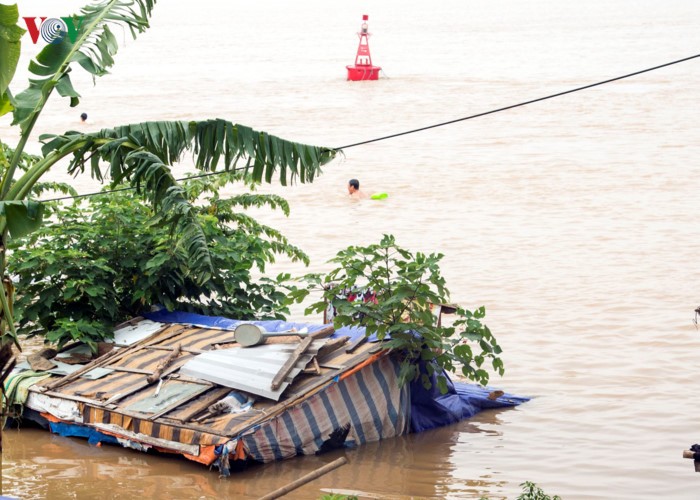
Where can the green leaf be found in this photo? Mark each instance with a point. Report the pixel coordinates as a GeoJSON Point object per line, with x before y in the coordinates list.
{"type": "Point", "coordinates": [10, 47]}
{"type": "Point", "coordinates": [10, 44]}
{"type": "Point", "coordinates": [21, 217]}
{"type": "Point", "coordinates": [5, 104]}
{"type": "Point", "coordinates": [210, 143]}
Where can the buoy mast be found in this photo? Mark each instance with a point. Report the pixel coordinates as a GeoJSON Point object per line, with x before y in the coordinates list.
{"type": "Point", "coordinates": [363, 68]}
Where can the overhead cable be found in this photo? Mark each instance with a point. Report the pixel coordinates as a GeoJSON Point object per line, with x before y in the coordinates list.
{"type": "Point", "coordinates": [421, 129]}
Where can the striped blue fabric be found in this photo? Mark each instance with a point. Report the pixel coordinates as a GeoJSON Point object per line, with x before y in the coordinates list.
{"type": "Point", "coordinates": [369, 400]}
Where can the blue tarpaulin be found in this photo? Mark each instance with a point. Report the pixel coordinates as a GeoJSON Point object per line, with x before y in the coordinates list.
{"type": "Point", "coordinates": [74, 430]}
{"type": "Point", "coordinates": [186, 318]}
{"type": "Point", "coordinates": [429, 408]}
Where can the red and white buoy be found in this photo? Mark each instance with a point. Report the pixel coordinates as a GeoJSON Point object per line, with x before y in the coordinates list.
{"type": "Point", "coordinates": [363, 68]}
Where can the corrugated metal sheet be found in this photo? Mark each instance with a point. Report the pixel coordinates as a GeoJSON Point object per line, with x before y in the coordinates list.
{"type": "Point", "coordinates": [132, 334]}
{"type": "Point", "coordinates": [249, 369]}
{"type": "Point", "coordinates": [59, 369]}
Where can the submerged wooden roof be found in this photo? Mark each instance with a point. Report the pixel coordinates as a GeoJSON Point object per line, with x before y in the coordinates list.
{"type": "Point", "coordinates": [124, 399]}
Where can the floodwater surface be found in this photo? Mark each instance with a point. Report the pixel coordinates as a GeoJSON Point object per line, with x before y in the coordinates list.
{"type": "Point", "coordinates": [574, 221]}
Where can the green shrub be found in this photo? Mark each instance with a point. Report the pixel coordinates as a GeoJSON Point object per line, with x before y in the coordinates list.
{"type": "Point", "coordinates": [533, 492]}
{"type": "Point", "coordinates": [108, 259]}
{"type": "Point", "coordinates": [403, 286]}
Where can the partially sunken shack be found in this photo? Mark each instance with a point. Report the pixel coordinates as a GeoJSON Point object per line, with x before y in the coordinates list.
{"type": "Point", "coordinates": [180, 383]}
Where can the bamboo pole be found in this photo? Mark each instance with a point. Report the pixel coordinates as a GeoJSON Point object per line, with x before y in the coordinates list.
{"type": "Point", "coordinates": [305, 479]}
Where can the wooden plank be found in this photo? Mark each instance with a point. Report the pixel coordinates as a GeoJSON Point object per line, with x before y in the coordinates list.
{"type": "Point", "coordinates": [353, 346]}
{"type": "Point", "coordinates": [70, 397]}
{"type": "Point", "coordinates": [329, 366]}
{"type": "Point", "coordinates": [200, 406]}
{"type": "Point", "coordinates": [332, 345]}
{"type": "Point", "coordinates": [298, 352]}
{"type": "Point", "coordinates": [324, 332]}
{"type": "Point", "coordinates": [289, 364]}
{"type": "Point", "coordinates": [128, 370]}
{"type": "Point", "coordinates": [166, 348]}
{"type": "Point", "coordinates": [318, 381]}
{"type": "Point", "coordinates": [190, 449]}
{"type": "Point", "coordinates": [315, 368]}
{"type": "Point", "coordinates": [194, 380]}
{"type": "Point", "coordinates": [172, 422]}
{"type": "Point", "coordinates": [332, 367]}
{"type": "Point", "coordinates": [307, 478]}
{"type": "Point", "coordinates": [196, 427]}
{"type": "Point", "coordinates": [130, 322]}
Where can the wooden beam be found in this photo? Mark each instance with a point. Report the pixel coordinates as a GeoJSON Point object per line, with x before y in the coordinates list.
{"type": "Point", "coordinates": [166, 348]}
{"type": "Point", "coordinates": [210, 398]}
{"type": "Point", "coordinates": [190, 449]}
{"type": "Point", "coordinates": [128, 370]}
{"type": "Point", "coordinates": [305, 479]}
{"type": "Point", "coordinates": [130, 322]}
{"type": "Point", "coordinates": [357, 343]}
{"type": "Point", "coordinates": [324, 332]}
{"type": "Point", "coordinates": [330, 366]}
{"type": "Point", "coordinates": [196, 427]}
{"type": "Point", "coordinates": [71, 397]}
{"type": "Point", "coordinates": [164, 364]}
{"type": "Point", "coordinates": [315, 368]}
{"type": "Point", "coordinates": [289, 364]}
{"type": "Point", "coordinates": [332, 345]}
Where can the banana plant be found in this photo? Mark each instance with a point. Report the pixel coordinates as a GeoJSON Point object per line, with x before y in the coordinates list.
{"type": "Point", "coordinates": [140, 154]}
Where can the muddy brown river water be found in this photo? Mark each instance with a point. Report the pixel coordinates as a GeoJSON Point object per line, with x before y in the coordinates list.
{"type": "Point", "coordinates": [574, 221]}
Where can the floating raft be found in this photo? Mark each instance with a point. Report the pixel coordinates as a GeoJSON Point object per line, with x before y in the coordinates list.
{"type": "Point", "coordinates": [167, 377]}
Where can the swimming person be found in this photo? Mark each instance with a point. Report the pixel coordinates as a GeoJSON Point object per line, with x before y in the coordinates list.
{"type": "Point", "coordinates": [354, 189]}
{"type": "Point", "coordinates": [83, 117]}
